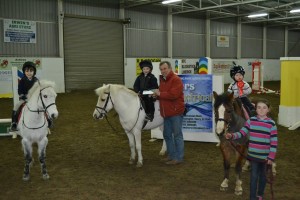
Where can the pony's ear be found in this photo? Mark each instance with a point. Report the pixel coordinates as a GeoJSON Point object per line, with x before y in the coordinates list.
{"type": "Point", "coordinates": [107, 88]}
{"type": "Point", "coordinates": [215, 94]}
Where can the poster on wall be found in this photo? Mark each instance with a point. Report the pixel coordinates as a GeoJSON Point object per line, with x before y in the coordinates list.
{"type": "Point", "coordinates": [19, 31]}
{"type": "Point", "coordinates": [221, 66]}
{"type": "Point", "coordinates": [187, 66]}
{"type": "Point", "coordinates": [198, 101]}
{"type": "Point", "coordinates": [6, 64]}
{"type": "Point", "coordinates": [222, 41]}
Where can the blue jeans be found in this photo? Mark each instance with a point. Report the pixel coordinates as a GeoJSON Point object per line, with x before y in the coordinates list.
{"type": "Point", "coordinates": [173, 136]}
{"type": "Point", "coordinates": [258, 179]}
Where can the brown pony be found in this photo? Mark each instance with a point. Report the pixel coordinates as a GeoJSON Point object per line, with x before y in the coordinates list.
{"type": "Point", "coordinates": [229, 117]}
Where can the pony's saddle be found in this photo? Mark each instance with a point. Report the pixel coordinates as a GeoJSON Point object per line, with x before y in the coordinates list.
{"type": "Point", "coordinates": [19, 112]}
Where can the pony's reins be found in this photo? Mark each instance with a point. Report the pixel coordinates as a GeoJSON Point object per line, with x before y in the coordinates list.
{"type": "Point", "coordinates": [38, 111]}
{"type": "Point", "coordinates": [105, 114]}
{"type": "Point", "coordinates": [104, 109]}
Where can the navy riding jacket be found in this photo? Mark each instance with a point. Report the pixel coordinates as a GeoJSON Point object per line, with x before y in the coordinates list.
{"type": "Point", "coordinates": [142, 82]}
{"type": "Point", "coordinates": [24, 86]}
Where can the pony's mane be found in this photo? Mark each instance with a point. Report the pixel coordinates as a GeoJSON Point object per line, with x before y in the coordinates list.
{"type": "Point", "coordinates": [227, 100]}
{"type": "Point", "coordinates": [99, 91]}
{"type": "Point", "coordinates": [40, 84]}
{"type": "Point", "coordinates": [222, 99]}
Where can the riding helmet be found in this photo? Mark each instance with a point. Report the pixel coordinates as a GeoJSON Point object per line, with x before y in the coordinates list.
{"type": "Point", "coordinates": [146, 63]}
{"type": "Point", "coordinates": [29, 64]}
{"type": "Point", "coordinates": [236, 69]}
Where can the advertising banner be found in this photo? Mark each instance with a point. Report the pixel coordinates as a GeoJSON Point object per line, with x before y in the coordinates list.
{"type": "Point", "coordinates": [222, 41]}
{"type": "Point", "coordinates": [198, 101]}
{"type": "Point", "coordinates": [19, 31]}
{"type": "Point", "coordinates": [6, 76]}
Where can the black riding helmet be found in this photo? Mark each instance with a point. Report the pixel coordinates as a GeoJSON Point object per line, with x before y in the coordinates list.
{"type": "Point", "coordinates": [29, 64]}
{"type": "Point", "coordinates": [146, 63]}
{"type": "Point", "coordinates": [236, 69]}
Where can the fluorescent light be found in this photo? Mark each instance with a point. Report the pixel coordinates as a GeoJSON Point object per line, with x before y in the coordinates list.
{"type": "Point", "coordinates": [170, 1]}
{"type": "Point", "coordinates": [295, 10]}
{"type": "Point", "coordinates": [258, 15]}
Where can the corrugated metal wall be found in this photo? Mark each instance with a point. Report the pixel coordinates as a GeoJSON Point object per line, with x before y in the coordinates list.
{"type": "Point", "coordinates": [294, 44]}
{"type": "Point", "coordinates": [275, 40]}
{"type": "Point", "coordinates": [228, 29]}
{"type": "Point", "coordinates": [92, 8]}
{"type": "Point", "coordinates": [146, 35]}
{"type": "Point", "coordinates": [188, 37]}
{"type": "Point", "coordinates": [45, 14]}
{"type": "Point", "coordinates": [252, 41]}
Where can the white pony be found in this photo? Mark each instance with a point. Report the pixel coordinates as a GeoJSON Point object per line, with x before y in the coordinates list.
{"type": "Point", "coordinates": [131, 114]}
{"type": "Point", "coordinates": [33, 125]}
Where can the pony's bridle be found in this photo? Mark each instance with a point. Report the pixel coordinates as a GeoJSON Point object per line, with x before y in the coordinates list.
{"type": "Point", "coordinates": [108, 98]}
{"type": "Point", "coordinates": [101, 114]}
{"type": "Point", "coordinates": [104, 109]}
{"type": "Point", "coordinates": [45, 108]}
{"type": "Point", "coordinates": [227, 123]}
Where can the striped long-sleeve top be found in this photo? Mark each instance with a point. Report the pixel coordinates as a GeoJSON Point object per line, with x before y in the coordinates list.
{"type": "Point", "coordinates": [262, 138]}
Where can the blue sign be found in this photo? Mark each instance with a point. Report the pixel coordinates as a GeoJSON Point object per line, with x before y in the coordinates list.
{"type": "Point", "coordinates": [198, 101]}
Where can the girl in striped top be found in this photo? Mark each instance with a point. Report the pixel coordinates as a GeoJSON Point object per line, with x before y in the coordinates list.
{"type": "Point", "coordinates": [262, 133]}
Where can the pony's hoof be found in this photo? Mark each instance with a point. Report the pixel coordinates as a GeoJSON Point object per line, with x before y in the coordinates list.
{"type": "Point", "coordinates": [139, 164]}
{"type": "Point", "coordinates": [46, 177]}
{"type": "Point", "coordinates": [131, 162]}
{"type": "Point", "coordinates": [161, 153]}
{"type": "Point", "coordinates": [223, 189]}
{"type": "Point", "coordinates": [14, 135]}
{"type": "Point", "coordinates": [245, 169]}
{"type": "Point", "coordinates": [238, 193]}
{"type": "Point", "coordinates": [26, 177]}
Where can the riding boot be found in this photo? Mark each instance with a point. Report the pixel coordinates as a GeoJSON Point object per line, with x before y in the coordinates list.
{"type": "Point", "coordinates": [151, 109]}
{"type": "Point", "coordinates": [149, 117]}
{"type": "Point", "coordinates": [14, 119]}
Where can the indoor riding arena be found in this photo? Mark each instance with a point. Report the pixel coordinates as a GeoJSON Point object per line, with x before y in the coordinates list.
{"type": "Point", "coordinates": [87, 159]}
{"type": "Point", "coordinates": [67, 51]}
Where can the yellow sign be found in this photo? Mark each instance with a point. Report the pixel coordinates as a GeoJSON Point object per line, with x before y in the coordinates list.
{"type": "Point", "coordinates": [138, 60]}
{"type": "Point", "coordinates": [290, 81]}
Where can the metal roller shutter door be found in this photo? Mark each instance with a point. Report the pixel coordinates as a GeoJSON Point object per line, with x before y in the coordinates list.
{"type": "Point", "coordinates": [93, 53]}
